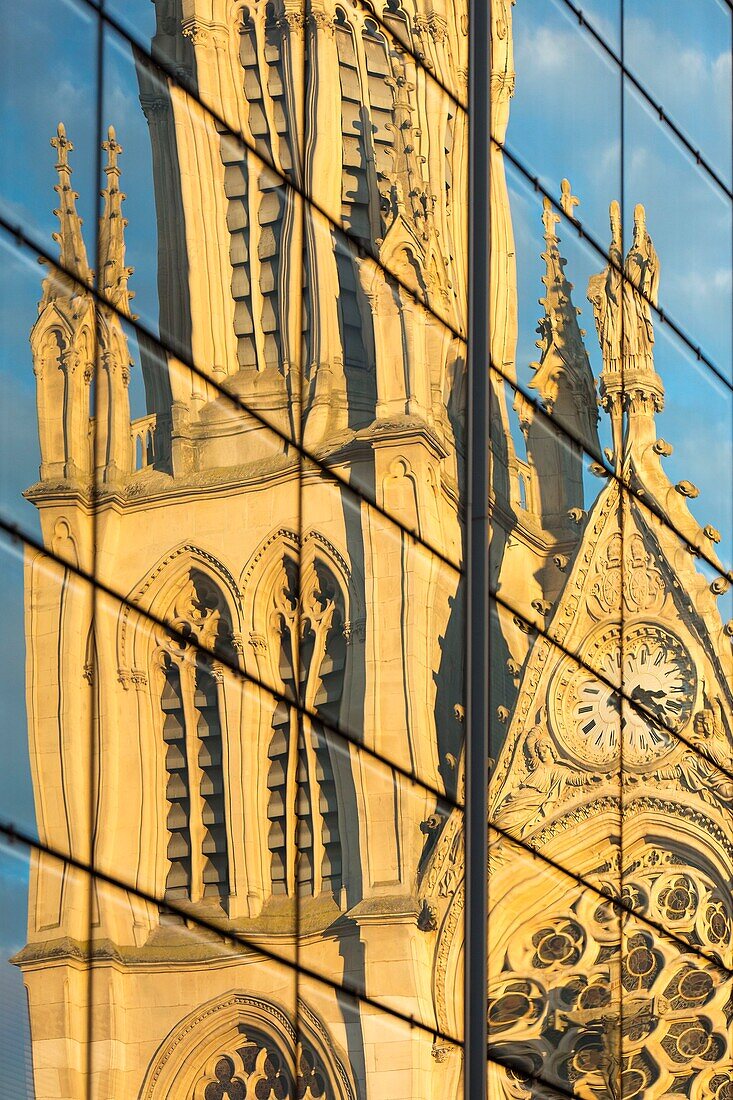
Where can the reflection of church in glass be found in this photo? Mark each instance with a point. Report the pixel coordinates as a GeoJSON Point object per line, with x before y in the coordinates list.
{"type": "Point", "coordinates": [165, 743]}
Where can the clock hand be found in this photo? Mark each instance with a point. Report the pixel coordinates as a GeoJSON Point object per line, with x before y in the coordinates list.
{"type": "Point", "coordinates": [649, 699]}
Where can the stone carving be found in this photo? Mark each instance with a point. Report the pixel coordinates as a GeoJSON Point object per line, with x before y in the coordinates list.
{"type": "Point", "coordinates": [622, 297]}
{"type": "Point", "coordinates": [628, 570]}
{"type": "Point", "coordinates": [544, 786]}
{"type": "Point", "coordinates": [622, 305]}
{"type": "Point", "coordinates": [705, 768]}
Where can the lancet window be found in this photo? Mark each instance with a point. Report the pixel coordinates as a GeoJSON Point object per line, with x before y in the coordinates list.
{"type": "Point", "coordinates": [192, 707]}
{"type": "Point", "coordinates": [396, 19]}
{"type": "Point", "coordinates": [307, 630]}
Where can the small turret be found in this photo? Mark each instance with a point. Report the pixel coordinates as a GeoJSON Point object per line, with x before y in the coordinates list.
{"type": "Point", "coordinates": [80, 354]}
{"type": "Point", "coordinates": [63, 340]}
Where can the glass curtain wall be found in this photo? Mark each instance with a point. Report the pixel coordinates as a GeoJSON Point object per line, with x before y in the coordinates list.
{"type": "Point", "coordinates": [241, 484]}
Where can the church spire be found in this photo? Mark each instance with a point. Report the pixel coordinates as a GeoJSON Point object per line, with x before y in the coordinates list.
{"type": "Point", "coordinates": [73, 253]}
{"type": "Point", "coordinates": [564, 381]}
{"type": "Point", "coordinates": [563, 375]}
{"type": "Point", "coordinates": [114, 274]}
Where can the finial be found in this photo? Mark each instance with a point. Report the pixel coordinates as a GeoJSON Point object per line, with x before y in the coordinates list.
{"type": "Point", "coordinates": [113, 272]}
{"type": "Point", "coordinates": [568, 201]}
{"type": "Point", "coordinates": [113, 149]}
{"type": "Point", "coordinates": [549, 218]}
{"type": "Point", "coordinates": [72, 252]}
{"type": "Point", "coordinates": [614, 217]}
{"type": "Point", "coordinates": [63, 147]}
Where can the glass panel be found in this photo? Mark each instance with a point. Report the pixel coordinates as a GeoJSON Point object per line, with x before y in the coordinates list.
{"type": "Point", "coordinates": [381, 883]}
{"type": "Point", "coordinates": [47, 709]}
{"type": "Point", "coordinates": [556, 743]}
{"type": "Point", "coordinates": [215, 505]}
{"type": "Point", "coordinates": [382, 373]}
{"type": "Point", "coordinates": [354, 389]}
{"type": "Point", "coordinates": [557, 350]}
{"type": "Point", "coordinates": [382, 620]}
{"type": "Point", "coordinates": [230, 244]}
{"type": "Point", "coordinates": [179, 1010]}
{"type": "Point", "coordinates": [45, 907]}
{"type": "Point", "coordinates": [555, 552]}
{"type": "Point", "coordinates": [209, 778]}
{"type": "Point", "coordinates": [691, 223]}
{"type": "Point", "coordinates": [397, 185]}
{"type": "Point", "coordinates": [136, 18]}
{"type": "Point", "coordinates": [49, 77]}
{"type": "Point", "coordinates": [678, 740]}
{"type": "Point", "coordinates": [21, 293]}
{"type": "Point", "coordinates": [388, 147]}
{"type": "Point", "coordinates": [246, 69]}
{"type": "Point", "coordinates": [556, 129]}
{"type": "Point", "coordinates": [683, 61]}
{"type": "Point", "coordinates": [702, 476]}
{"type": "Point", "coordinates": [389, 1057]}
{"type": "Point", "coordinates": [604, 17]}
{"type": "Point", "coordinates": [555, 998]}
{"type": "Point", "coordinates": [677, 1017]}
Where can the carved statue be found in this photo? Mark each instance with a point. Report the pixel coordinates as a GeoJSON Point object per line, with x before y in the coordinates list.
{"type": "Point", "coordinates": [544, 786]}
{"type": "Point", "coordinates": [640, 293]}
{"type": "Point", "coordinates": [705, 771]}
{"type": "Point", "coordinates": [622, 306]}
{"type": "Point", "coordinates": [604, 294]}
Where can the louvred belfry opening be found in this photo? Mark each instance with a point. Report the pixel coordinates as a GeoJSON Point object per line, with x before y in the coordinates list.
{"type": "Point", "coordinates": [303, 804]}
{"type": "Point", "coordinates": [192, 702]}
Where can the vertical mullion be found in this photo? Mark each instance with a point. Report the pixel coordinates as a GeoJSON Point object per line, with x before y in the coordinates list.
{"type": "Point", "coordinates": [623, 484]}
{"type": "Point", "coordinates": [477, 557]}
{"type": "Point", "coordinates": [94, 764]}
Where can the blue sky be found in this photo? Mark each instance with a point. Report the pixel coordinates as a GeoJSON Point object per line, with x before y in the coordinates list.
{"type": "Point", "coordinates": [566, 121]}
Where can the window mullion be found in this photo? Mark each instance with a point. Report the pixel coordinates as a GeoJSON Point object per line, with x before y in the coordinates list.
{"type": "Point", "coordinates": [195, 779]}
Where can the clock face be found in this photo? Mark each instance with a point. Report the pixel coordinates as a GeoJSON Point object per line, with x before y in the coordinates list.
{"type": "Point", "coordinates": [597, 724]}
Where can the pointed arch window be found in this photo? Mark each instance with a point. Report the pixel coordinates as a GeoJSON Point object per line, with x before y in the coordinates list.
{"type": "Point", "coordinates": [307, 633]}
{"type": "Point", "coordinates": [395, 18]}
{"type": "Point", "coordinates": [192, 706]}
{"type": "Point", "coordinates": [259, 1067]}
